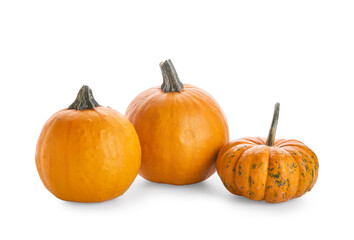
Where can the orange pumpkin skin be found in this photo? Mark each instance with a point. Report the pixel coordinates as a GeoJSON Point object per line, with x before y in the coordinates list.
{"type": "Point", "coordinates": [180, 134]}
{"type": "Point", "coordinates": [88, 156]}
{"type": "Point", "coordinates": [250, 168]}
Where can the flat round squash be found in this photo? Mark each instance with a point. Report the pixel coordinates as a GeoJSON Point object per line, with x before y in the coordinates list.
{"type": "Point", "coordinates": [268, 169]}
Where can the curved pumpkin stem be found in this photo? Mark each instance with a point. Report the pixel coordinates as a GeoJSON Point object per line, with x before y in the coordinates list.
{"type": "Point", "coordinates": [84, 100]}
{"type": "Point", "coordinates": [273, 126]}
{"type": "Point", "coordinates": [171, 82]}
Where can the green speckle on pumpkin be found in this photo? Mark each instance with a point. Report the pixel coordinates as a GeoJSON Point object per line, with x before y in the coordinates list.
{"type": "Point", "coordinates": [280, 183]}
{"type": "Point", "coordinates": [250, 182]}
{"type": "Point", "coordinates": [277, 175]}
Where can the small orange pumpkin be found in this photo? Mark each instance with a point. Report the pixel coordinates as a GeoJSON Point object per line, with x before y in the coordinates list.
{"type": "Point", "coordinates": [181, 129]}
{"type": "Point", "coordinates": [270, 170]}
{"type": "Point", "coordinates": [88, 153]}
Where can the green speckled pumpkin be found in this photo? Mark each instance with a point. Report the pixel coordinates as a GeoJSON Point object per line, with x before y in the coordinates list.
{"type": "Point", "coordinates": [267, 169]}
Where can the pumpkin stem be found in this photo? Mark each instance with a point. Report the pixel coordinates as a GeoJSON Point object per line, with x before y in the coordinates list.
{"type": "Point", "coordinates": [171, 82]}
{"type": "Point", "coordinates": [273, 126]}
{"type": "Point", "coordinates": [84, 100]}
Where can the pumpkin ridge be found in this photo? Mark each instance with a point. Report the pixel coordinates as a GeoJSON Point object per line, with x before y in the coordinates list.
{"type": "Point", "coordinates": [266, 181]}
{"type": "Point", "coordinates": [316, 166]}
{"type": "Point", "coordinates": [279, 142]}
{"type": "Point", "coordinates": [240, 170]}
{"type": "Point", "coordinates": [231, 188]}
{"type": "Point", "coordinates": [314, 169]}
{"type": "Point", "coordinates": [291, 142]}
{"type": "Point", "coordinates": [306, 164]}
{"type": "Point", "coordinates": [248, 191]}
{"type": "Point", "coordinates": [303, 181]}
{"type": "Point", "coordinates": [293, 166]}
{"type": "Point", "coordinates": [312, 164]}
{"type": "Point", "coordinates": [248, 147]}
{"type": "Point", "coordinates": [279, 177]}
{"type": "Point", "coordinates": [225, 171]}
{"type": "Point", "coordinates": [233, 144]}
{"type": "Point", "coordinates": [255, 140]}
{"type": "Point", "coordinates": [251, 181]}
{"type": "Point", "coordinates": [233, 177]}
{"type": "Point", "coordinates": [268, 185]}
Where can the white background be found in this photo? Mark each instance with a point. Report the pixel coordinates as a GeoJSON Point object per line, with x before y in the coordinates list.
{"type": "Point", "coordinates": [247, 54]}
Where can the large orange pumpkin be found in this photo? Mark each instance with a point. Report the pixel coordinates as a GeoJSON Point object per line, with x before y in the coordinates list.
{"type": "Point", "coordinates": [88, 153]}
{"type": "Point", "coordinates": [267, 169]}
{"type": "Point", "coordinates": [181, 129]}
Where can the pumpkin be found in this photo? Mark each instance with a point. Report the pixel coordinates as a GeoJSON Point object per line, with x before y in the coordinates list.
{"type": "Point", "coordinates": [181, 129]}
{"type": "Point", "coordinates": [268, 169]}
{"type": "Point", "coordinates": [88, 153]}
